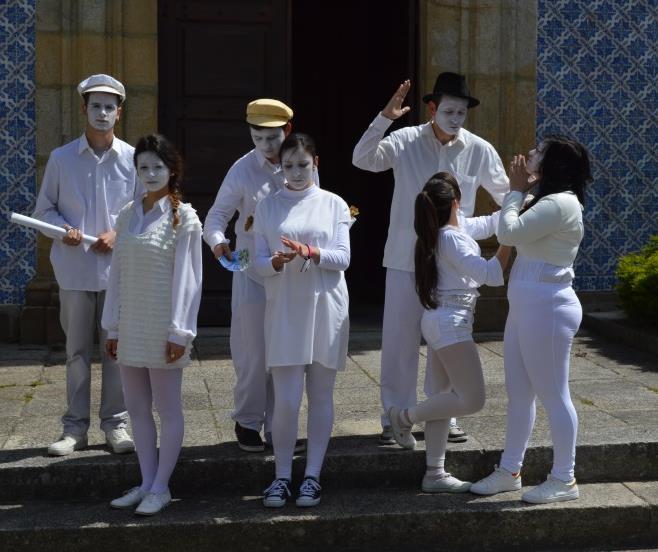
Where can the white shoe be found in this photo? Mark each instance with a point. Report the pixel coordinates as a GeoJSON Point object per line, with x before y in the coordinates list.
{"type": "Point", "coordinates": [500, 481]}
{"type": "Point", "coordinates": [402, 435]}
{"type": "Point", "coordinates": [153, 503]}
{"type": "Point", "coordinates": [129, 499]}
{"type": "Point", "coordinates": [119, 441]}
{"type": "Point", "coordinates": [552, 490]}
{"type": "Point", "coordinates": [456, 434]}
{"type": "Point", "coordinates": [67, 443]}
{"type": "Point", "coordinates": [445, 483]}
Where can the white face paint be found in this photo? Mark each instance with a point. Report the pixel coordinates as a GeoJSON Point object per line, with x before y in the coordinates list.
{"type": "Point", "coordinates": [298, 167]}
{"type": "Point", "coordinates": [268, 141]}
{"type": "Point", "coordinates": [535, 157]}
{"type": "Point", "coordinates": [102, 110]}
{"type": "Point", "coordinates": [152, 171]}
{"type": "Point", "coordinates": [451, 114]}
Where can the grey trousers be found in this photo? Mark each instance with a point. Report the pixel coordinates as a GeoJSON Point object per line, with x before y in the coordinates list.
{"type": "Point", "coordinates": [80, 314]}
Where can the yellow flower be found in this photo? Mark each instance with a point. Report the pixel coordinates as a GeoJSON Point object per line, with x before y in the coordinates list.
{"type": "Point", "coordinates": [354, 211]}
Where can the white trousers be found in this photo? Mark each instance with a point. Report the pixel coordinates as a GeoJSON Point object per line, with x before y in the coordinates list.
{"type": "Point", "coordinates": [288, 389]}
{"type": "Point", "coordinates": [80, 314]}
{"type": "Point", "coordinates": [400, 342]}
{"type": "Point", "coordinates": [253, 397]}
{"type": "Point", "coordinates": [543, 319]}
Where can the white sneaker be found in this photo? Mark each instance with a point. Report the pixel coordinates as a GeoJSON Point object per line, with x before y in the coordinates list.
{"type": "Point", "coordinates": [552, 490]}
{"type": "Point", "coordinates": [67, 443]}
{"type": "Point", "coordinates": [445, 483]}
{"type": "Point", "coordinates": [119, 441]}
{"type": "Point", "coordinates": [402, 435]}
{"type": "Point", "coordinates": [456, 434]}
{"type": "Point", "coordinates": [153, 503]}
{"type": "Point", "coordinates": [129, 499]}
{"type": "Point", "coordinates": [500, 481]}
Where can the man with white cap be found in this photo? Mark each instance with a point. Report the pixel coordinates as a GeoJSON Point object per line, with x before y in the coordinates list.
{"type": "Point", "coordinates": [251, 178]}
{"type": "Point", "coordinates": [85, 185]}
{"type": "Point", "coordinates": [415, 154]}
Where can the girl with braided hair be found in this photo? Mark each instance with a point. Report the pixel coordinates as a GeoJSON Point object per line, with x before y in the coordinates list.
{"type": "Point", "coordinates": [448, 271]}
{"type": "Point", "coordinates": [150, 314]}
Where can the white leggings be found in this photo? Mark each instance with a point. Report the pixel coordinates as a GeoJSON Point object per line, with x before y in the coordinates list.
{"type": "Point", "coordinates": [141, 387]}
{"type": "Point", "coordinates": [456, 385]}
{"type": "Point", "coordinates": [543, 319]}
{"type": "Point", "coordinates": [288, 388]}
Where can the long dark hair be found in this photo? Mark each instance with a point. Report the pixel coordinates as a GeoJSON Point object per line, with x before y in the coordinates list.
{"type": "Point", "coordinates": [565, 167]}
{"type": "Point", "coordinates": [166, 151]}
{"type": "Point", "coordinates": [431, 212]}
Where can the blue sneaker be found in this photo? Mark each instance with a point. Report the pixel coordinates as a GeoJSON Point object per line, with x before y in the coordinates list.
{"type": "Point", "coordinates": [276, 494]}
{"type": "Point", "coordinates": [309, 492]}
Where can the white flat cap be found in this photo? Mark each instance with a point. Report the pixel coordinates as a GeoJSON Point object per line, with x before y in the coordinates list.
{"type": "Point", "coordinates": [102, 83]}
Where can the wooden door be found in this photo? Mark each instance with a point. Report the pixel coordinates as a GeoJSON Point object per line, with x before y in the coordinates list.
{"type": "Point", "coordinates": [214, 58]}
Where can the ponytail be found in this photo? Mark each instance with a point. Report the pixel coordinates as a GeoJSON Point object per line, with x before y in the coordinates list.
{"type": "Point", "coordinates": [431, 212]}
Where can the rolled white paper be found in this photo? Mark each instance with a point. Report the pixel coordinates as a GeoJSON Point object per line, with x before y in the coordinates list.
{"type": "Point", "coordinates": [44, 226]}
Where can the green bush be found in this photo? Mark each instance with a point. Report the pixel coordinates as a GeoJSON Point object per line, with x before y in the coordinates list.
{"type": "Point", "coordinates": [638, 281]}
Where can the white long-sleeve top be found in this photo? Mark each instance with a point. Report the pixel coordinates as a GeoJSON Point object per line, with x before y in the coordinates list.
{"type": "Point", "coordinates": [186, 279]}
{"type": "Point", "coordinates": [415, 155]}
{"type": "Point", "coordinates": [460, 264]}
{"type": "Point", "coordinates": [250, 179]}
{"type": "Point", "coordinates": [551, 230]}
{"type": "Point", "coordinates": [80, 190]}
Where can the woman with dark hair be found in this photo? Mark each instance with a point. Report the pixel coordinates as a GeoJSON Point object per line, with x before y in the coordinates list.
{"type": "Point", "coordinates": [150, 314]}
{"type": "Point", "coordinates": [302, 250]}
{"type": "Point", "coordinates": [448, 271]}
{"type": "Point", "coordinates": [544, 312]}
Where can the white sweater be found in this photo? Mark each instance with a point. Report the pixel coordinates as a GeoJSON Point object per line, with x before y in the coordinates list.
{"type": "Point", "coordinates": [550, 231]}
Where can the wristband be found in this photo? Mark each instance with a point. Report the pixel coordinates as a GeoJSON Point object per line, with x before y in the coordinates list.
{"type": "Point", "coordinates": [309, 251]}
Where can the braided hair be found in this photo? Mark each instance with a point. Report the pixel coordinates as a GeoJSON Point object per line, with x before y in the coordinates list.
{"type": "Point", "coordinates": [166, 151]}
{"type": "Point", "coordinates": [432, 211]}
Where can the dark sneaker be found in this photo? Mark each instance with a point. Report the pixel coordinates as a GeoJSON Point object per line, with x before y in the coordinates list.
{"type": "Point", "coordinates": [276, 494]}
{"type": "Point", "coordinates": [300, 444]}
{"type": "Point", "coordinates": [309, 493]}
{"type": "Point", "coordinates": [386, 437]}
{"type": "Point", "coordinates": [248, 439]}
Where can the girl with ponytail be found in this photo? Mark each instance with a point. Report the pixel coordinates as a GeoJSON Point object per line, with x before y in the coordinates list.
{"type": "Point", "coordinates": [448, 271]}
{"type": "Point", "coordinates": [151, 306]}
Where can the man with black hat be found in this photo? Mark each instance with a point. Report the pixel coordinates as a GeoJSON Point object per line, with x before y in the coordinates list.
{"type": "Point", "coordinates": [85, 185]}
{"type": "Point", "coordinates": [415, 154]}
{"type": "Point", "coordinates": [251, 178]}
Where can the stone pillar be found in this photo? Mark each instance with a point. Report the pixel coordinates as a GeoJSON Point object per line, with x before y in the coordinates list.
{"type": "Point", "coordinates": [74, 39]}
{"type": "Point", "coordinates": [493, 43]}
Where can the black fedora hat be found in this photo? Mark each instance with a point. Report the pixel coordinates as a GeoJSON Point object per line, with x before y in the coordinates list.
{"type": "Point", "coordinates": [451, 84]}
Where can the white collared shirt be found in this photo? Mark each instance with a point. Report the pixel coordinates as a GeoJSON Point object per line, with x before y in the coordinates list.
{"type": "Point", "coordinates": [250, 179]}
{"type": "Point", "coordinates": [83, 191]}
{"type": "Point", "coordinates": [186, 282]}
{"type": "Point", "coordinates": [415, 155]}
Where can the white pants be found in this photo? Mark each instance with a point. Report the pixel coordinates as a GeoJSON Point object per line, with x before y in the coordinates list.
{"type": "Point", "coordinates": [455, 387]}
{"type": "Point", "coordinates": [80, 314]}
{"type": "Point", "coordinates": [543, 319]}
{"type": "Point", "coordinates": [253, 397]}
{"type": "Point", "coordinates": [400, 341]}
{"type": "Point", "coordinates": [288, 389]}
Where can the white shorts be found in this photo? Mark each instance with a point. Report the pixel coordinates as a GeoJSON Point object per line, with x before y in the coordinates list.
{"type": "Point", "coordinates": [445, 326]}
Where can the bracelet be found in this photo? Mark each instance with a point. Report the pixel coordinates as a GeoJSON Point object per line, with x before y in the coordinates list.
{"type": "Point", "coordinates": [309, 251]}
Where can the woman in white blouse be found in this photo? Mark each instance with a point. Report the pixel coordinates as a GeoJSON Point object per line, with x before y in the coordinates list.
{"type": "Point", "coordinates": [302, 249]}
{"type": "Point", "coordinates": [448, 271]}
{"type": "Point", "coordinates": [150, 314]}
{"type": "Point", "coordinates": [544, 312]}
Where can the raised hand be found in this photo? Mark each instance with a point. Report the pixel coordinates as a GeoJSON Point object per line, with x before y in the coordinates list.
{"type": "Point", "coordinates": [519, 180]}
{"type": "Point", "coordinates": [394, 109]}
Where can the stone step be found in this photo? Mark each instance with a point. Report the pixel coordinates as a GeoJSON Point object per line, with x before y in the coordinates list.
{"type": "Point", "coordinates": [351, 462]}
{"type": "Point", "coordinates": [608, 516]}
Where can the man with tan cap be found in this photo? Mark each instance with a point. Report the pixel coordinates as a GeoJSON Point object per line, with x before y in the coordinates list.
{"type": "Point", "coordinates": [254, 176]}
{"type": "Point", "coordinates": [85, 185]}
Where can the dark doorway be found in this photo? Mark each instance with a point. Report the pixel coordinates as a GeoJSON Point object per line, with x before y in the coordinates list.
{"type": "Point", "coordinates": [336, 64]}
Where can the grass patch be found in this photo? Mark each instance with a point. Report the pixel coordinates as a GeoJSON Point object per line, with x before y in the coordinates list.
{"type": "Point", "coordinates": [37, 383]}
{"type": "Point", "coordinates": [8, 385]}
{"type": "Point", "coordinates": [654, 389]}
{"type": "Point", "coordinates": [27, 397]}
{"type": "Point", "coordinates": [586, 401]}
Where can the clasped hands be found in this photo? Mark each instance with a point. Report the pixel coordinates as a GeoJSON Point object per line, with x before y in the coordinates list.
{"type": "Point", "coordinates": [280, 258]}
{"type": "Point", "coordinates": [519, 179]}
{"type": "Point", "coordinates": [173, 351]}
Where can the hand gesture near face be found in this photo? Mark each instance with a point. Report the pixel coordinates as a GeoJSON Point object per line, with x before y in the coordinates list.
{"type": "Point", "coordinates": [519, 180]}
{"type": "Point", "coordinates": [394, 109]}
